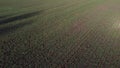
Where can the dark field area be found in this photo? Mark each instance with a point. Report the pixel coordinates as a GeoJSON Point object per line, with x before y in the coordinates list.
{"type": "Point", "coordinates": [59, 34]}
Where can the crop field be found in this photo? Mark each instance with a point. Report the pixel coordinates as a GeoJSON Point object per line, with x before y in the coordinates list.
{"type": "Point", "coordinates": [59, 34]}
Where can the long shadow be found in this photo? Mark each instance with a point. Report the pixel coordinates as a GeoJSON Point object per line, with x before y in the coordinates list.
{"type": "Point", "coordinates": [6, 30]}
{"type": "Point", "coordinates": [20, 17]}
{"type": "Point", "coordinates": [10, 29]}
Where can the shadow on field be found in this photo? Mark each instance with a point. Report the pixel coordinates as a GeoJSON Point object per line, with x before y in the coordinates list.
{"type": "Point", "coordinates": [9, 29]}
{"type": "Point", "coordinates": [20, 17]}
{"type": "Point", "coordinates": [6, 30]}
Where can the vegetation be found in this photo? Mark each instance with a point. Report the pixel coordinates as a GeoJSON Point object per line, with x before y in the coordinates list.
{"type": "Point", "coordinates": [59, 34]}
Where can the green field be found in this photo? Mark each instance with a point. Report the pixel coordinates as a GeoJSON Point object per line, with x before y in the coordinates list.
{"type": "Point", "coordinates": [59, 34]}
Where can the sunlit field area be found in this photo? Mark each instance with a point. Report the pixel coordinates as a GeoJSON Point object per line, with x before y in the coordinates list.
{"type": "Point", "coordinates": [59, 33]}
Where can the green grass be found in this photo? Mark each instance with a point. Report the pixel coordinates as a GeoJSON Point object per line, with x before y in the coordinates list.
{"type": "Point", "coordinates": [59, 33]}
